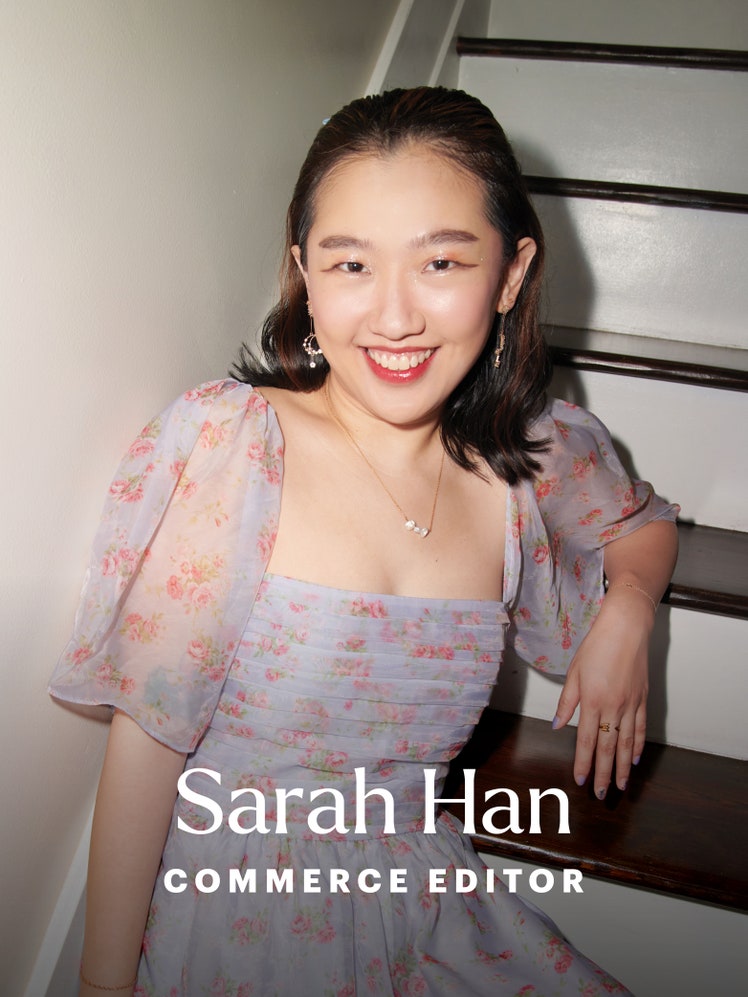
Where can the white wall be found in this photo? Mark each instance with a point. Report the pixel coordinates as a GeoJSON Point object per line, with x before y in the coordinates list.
{"type": "Point", "coordinates": [685, 23]}
{"type": "Point", "coordinates": [148, 152]}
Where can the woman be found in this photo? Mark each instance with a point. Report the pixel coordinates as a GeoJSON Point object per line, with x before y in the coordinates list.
{"type": "Point", "coordinates": [302, 591]}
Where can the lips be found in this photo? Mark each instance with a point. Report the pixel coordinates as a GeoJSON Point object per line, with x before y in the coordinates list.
{"type": "Point", "coordinates": [399, 361]}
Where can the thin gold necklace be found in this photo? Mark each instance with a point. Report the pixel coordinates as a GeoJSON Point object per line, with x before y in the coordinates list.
{"type": "Point", "coordinates": [410, 524]}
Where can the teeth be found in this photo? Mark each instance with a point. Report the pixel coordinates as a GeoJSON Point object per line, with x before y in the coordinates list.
{"type": "Point", "coordinates": [399, 361]}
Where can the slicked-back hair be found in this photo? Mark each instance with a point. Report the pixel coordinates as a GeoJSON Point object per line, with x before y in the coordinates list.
{"type": "Point", "coordinates": [489, 414]}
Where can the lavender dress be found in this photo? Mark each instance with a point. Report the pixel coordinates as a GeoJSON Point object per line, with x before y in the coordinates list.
{"type": "Point", "coordinates": [275, 684]}
{"type": "Point", "coordinates": [325, 683]}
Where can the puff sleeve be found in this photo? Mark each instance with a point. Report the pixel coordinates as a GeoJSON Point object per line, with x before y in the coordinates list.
{"type": "Point", "coordinates": [186, 532]}
{"type": "Point", "coordinates": [560, 523]}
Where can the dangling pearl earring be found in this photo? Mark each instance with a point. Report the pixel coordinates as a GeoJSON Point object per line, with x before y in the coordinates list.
{"type": "Point", "coordinates": [310, 344]}
{"type": "Point", "coordinates": [501, 341]}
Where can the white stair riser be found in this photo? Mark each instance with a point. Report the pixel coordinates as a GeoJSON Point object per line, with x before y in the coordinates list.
{"type": "Point", "coordinates": [686, 439]}
{"type": "Point", "coordinates": [633, 124]}
{"type": "Point", "coordinates": [658, 271]}
{"type": "Point", "coordinates": [696, 699]}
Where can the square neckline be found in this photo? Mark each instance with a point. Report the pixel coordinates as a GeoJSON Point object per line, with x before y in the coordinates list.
{"type": "Point", "coordinates": [512, 555]}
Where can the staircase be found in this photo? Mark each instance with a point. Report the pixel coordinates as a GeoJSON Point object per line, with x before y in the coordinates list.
{"type": "Point", "coordinates": [669, 376]}
{"type": "Point", "coordinates": [659, 265]}
{"type": "Point", "coordinates": [636, 156]}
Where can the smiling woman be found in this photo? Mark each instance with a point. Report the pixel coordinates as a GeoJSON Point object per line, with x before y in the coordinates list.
{"type": "Point", "coordinates": [410, 295]}
{"type": "Point", "coordinates": [304, 587]}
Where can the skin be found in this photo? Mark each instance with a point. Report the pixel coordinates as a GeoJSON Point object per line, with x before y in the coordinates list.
{"type": "Point", "coordinates": [400, 260]}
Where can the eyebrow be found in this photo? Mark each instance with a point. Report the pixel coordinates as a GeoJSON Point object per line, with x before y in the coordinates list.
{"type": "Point", "coordinates": [441, 236]}
{"type": "Point", "coordinates": [344, 242]}
{"type": "Point", "coordinates": [437, 238]}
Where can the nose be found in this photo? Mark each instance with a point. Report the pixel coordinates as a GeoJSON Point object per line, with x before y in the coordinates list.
{"type": "Point", "coordinates": [395, 312]}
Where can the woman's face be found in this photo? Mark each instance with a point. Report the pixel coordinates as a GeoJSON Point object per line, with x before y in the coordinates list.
{"type": "Point", "coordinates": [404, 275]}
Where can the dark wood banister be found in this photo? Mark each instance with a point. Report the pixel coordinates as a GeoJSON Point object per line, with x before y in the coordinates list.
{"type": "Point", "coordinates": [656, 368]}
{"type": "Point", "coordinates": [681, 827]}
{"type": "Point", "coordinates": [611, 190]}
{"type": "Point", "coordinates": [639, 55]}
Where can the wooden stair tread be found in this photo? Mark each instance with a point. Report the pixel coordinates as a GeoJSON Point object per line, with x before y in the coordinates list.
{"type": "Point", "coordinates": [642, 55]}
{"type": "Point", "coordinates": [643, 356]}
{"type": "Point", "coordinates": [681, 827]}
{"type": "Point", "coordinates": [712, 571]}
{"type": "Point", "coordinates": [632, 193]}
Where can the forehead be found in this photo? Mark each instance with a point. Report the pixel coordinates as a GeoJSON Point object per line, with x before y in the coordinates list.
{"type": "Point", "coordinates": [400, 186]}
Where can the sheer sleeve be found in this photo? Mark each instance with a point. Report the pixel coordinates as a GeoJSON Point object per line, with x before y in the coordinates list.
{"type": "Point", "coordinates": [560, 523]}
{"type": "Point", "coordinates": [186, 532]}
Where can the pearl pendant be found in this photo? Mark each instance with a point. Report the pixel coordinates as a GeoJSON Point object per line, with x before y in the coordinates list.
{"type": "Point", "coordinates": [421, 531]}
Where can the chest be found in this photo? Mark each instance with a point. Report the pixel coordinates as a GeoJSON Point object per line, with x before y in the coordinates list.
{"type": "Point", "coordinates": [342, 524]}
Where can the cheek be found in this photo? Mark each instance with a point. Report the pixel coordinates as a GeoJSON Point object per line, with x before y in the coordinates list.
{"type": "Point", "coordinates": [470, 310]}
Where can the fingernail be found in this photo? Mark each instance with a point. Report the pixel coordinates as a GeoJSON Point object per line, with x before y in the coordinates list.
{"type": "Point", "coordinates": [556, 723]}
{"type": "Point", "coordinates": [600, 794]}
{"type": "Point", "coordinates": [580, 779]}
{"type": "Point", "coordinates": [622, 785]}
{"type": "Point", "coordinates": [635, 761]}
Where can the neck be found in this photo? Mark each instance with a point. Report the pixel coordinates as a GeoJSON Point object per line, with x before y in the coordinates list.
{"type": "Point", "coordinates": [396, 445]}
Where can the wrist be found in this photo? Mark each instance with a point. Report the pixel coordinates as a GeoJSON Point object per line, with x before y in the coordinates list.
{"type": "Point", "coordinates": [634, 598]}
{"type": "Point", "coordinates": [635, 588]}
{"type": "Point", "coordinates": [92, 986]}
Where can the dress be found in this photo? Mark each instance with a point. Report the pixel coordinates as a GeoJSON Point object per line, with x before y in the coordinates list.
{"type": "Point", "coordinates": [170, 630]}
{"type": "Point", "coordinates": [325, 683]}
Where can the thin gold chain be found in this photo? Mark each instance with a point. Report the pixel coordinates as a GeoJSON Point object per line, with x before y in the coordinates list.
{"type": "Point", "coordinates": [410, 524]}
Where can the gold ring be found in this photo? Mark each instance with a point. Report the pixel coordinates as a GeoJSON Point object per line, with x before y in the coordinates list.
{"type": "Point", "coordinates": [606, 728]}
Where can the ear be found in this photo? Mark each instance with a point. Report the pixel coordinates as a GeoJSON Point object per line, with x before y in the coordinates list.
{"type": "Point", "coordinates": [296, 253]}
{"type": "Point", "coordinates": [514, 274]}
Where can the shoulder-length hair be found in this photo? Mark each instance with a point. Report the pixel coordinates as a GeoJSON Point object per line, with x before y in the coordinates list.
{"type": "Point", "coordinates": [489, 414]}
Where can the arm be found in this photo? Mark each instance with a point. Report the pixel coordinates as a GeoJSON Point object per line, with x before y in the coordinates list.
{"type": "Point", "coordinates": [131, 819]}
{"type": "Point", "coordinates": [608, 676]}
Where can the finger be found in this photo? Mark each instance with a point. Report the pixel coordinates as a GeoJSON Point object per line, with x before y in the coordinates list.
{"type": "Point", "coordinates": [640, 733]}
{"type": "Point", "coordinates": [605, 753]}
{"type": "Point", "coordinates": [567, 701]}
{"type": "Point", "coordinates": [624, 751]}
{"type": "Point", "coordinates": [586, 745]}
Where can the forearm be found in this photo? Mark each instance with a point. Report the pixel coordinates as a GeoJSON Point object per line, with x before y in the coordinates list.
{"type": "Point", "coordinates": [641, 563]}
{"type": "Point", "coordinates": [608, 677]}
{"type": "Point", "coordinates": [131, 819]}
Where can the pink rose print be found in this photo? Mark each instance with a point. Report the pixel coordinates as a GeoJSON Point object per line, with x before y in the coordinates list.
{"type": "Point", "coordinates": [127, 489]}
{"type": "Point", "coordinates": [594, 515]}
{"type": "Point", "coordinates": [563, 428]}
{"type": "Point", "coordinates": [142, 447]}
{"type": "Point", "coordinates": [541, 553]}
{"type": "Point", "coordinates": [81, 654]}
{"type": "Point", "coordinates": [174, 587]}
{"type": "Point", "coordinates": [211, 436]}
{"type": "Point", "coordinates": [563, 962]}
{"type": "Point", "coordinates": [139, 629]}
{"type": "Point", "coordinates": [198, 650]}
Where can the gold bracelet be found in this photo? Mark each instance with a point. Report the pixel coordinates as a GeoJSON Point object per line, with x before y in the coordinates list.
{"type": "Point", "coordinates": [636, 588]}
{"type": "Point", "coordinates": [101, 986]}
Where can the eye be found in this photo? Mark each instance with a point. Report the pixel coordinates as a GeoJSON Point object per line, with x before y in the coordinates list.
{"type": "Point", "coordinates": [351, 266]}
{"type": "Point", "coordinates": [441, 265]}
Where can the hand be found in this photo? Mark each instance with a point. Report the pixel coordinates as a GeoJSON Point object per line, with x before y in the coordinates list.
{"type": "Point", "coordinates": [608, 679]}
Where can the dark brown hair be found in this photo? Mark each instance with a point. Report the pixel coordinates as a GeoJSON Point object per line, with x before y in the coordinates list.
{"type": "Point", "coordinates": [490, 412]}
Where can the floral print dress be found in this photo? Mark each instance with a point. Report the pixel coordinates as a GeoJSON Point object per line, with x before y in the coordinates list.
{"type": "Point", "coordinates": [273, 684]}
{"type": "Point", "coordinates": [326, 684]}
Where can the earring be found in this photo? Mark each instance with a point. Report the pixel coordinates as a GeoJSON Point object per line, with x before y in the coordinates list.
{"type": "Point", "coordinates": [310, 344]}
{"type": "Point", "coordinates": [501, 341]}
